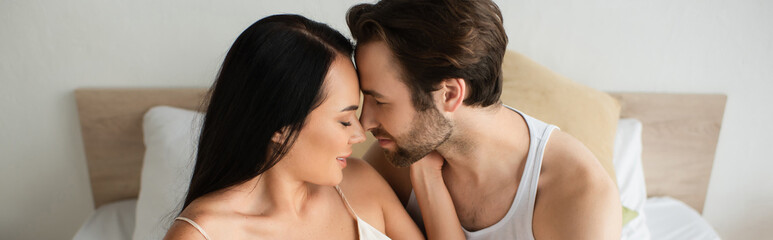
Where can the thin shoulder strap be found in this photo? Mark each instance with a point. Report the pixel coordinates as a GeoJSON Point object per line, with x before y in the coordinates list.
{"type": "Point", "coordinates": [201, 230]}
{"type": "Point", "coordinates": [346, 202]}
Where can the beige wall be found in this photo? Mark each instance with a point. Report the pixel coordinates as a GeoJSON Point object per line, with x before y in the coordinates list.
{"type": "Point", "coordinates": [49, 48]}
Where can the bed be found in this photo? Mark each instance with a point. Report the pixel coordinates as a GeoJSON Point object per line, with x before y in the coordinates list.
{"type": "Point", "coordinates": [677, 137]}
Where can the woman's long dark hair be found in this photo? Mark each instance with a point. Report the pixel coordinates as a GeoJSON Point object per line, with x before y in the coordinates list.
{"type": "Point", "coordinates": [271, 79]}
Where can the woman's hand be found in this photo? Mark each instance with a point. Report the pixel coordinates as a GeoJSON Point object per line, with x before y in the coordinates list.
{"type": "Point", "coordinates": [437, 208]}
{"type": "Point", "coordinates": [432, 163]}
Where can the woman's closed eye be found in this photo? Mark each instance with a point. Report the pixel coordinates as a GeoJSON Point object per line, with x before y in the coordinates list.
{"type": "Point", "coordinates": [346, 124]}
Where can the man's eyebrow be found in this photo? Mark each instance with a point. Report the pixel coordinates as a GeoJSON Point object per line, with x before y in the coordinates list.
{"type": "Point", "coordinates": [350, 108]}
{"type": "Point", "coordinates": [372, 93]}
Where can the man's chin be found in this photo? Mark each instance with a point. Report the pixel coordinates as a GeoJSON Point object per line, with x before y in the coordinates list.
{"type": "Point", "coordinates": [398, 160]}
{"type": "Point", "coordinates": [401, 164]}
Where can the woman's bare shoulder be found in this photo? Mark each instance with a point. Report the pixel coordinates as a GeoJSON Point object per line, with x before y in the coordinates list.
{"type": "Point", "coordinates": [365, 189]}
{"type": "Point", "coordinates": [212, 214]}
{"type": "Point", "coordinates": [193, 216]}
{"type": "Point", "coordinates": [183, 230]}
{"type": "Point", "coordinates": [360, 176]}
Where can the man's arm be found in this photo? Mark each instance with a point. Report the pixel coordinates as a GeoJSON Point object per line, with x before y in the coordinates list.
{"type": "Point", "coordinates": [576, 198]}
{"type": "Point", "coordinates": [398, 178]}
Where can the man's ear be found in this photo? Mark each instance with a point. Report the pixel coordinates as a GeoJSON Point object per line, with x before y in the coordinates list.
{"type": "Point", "coordinates": [453, 92]}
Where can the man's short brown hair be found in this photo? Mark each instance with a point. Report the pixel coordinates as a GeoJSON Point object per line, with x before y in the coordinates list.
{"type": "Point", "coordinates": [433, 40]}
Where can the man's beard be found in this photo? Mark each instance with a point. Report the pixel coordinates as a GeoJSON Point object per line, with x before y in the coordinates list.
{"type": "Point", "coordinates": [429, 129]}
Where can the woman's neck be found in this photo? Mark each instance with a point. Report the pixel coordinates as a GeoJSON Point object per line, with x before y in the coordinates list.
{"type": "Point", "coordinates": [275, 192]}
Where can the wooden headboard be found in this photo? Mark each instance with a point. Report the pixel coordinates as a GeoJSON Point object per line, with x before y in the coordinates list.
{"type": "Point", "coordinates": [679, 138]}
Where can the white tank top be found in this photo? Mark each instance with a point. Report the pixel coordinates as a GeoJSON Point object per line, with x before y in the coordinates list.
{"type": "Point", "coordinates": [517, 222]}
{"type": "Point", "coordinates": [364, 230]}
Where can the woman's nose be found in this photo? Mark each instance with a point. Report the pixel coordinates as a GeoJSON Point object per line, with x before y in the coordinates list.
{"type": "Point", "coordinates": [358, 135]}
{"type": "Point", "coordinates": [366, 118]}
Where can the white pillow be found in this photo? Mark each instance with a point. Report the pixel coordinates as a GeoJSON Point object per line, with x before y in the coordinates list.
{"type": "Point", "coordinates": [170, 136]}
{"type": "Point", "coordinates": [630, 176]}
{"type": "Point", "coordinates": [114, 221]}
{"type": "Point", "coordinates": [673, 219]}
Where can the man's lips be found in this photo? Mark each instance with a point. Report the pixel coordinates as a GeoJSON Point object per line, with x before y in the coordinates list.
{"type": "Point", "coordinates": [384, 141]}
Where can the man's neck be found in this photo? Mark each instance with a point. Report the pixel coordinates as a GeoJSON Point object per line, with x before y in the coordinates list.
{"type": "Point", "coordinates": [488, 147]}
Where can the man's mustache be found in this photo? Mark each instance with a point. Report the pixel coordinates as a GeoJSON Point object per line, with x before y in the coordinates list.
{"type": "Point", "coordinates": [380, 133]}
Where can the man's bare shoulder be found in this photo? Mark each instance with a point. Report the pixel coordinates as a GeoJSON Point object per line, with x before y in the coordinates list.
{"type": "Point", "coordinates": [567, 163]}
{"type": "Point", "coordinates": [576, 198]}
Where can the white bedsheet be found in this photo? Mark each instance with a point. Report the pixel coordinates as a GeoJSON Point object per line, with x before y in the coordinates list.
{"type": "Point", "coordinates": [667, 219]}
{"type": "Point", "coordinates": [111, 221]}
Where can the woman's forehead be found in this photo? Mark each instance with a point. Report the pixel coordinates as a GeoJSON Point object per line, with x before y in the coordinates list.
{"type": "Point", "coordinates": [341, 84]}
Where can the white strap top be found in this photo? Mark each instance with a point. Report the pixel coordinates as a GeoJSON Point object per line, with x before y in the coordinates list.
{"type": "Point", "coordinates": [517, 223]}
{"type": "Point", "coordinates": [194, 224]}
{"type": "Point", "coordinates": [364, 230]}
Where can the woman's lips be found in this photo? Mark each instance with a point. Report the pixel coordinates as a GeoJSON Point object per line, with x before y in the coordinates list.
{"type": "Point", "coordinates": [342, 159]}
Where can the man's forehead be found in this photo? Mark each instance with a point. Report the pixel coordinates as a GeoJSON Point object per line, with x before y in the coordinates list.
{"type": "Point", "coordinates": [381, 84]}
{"type": "Point", "coordinates": [376, 54]}
{"type": "Point", "coordinates": [380, 74]}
